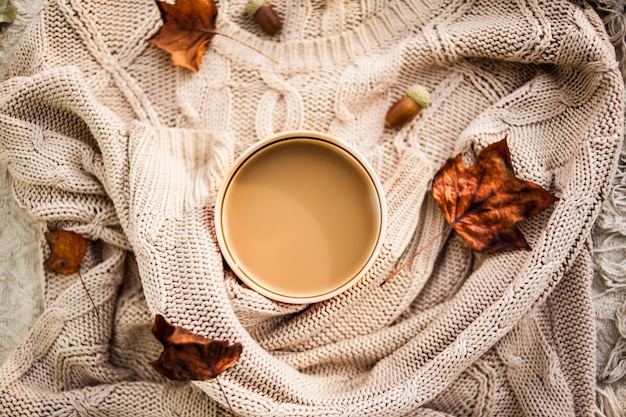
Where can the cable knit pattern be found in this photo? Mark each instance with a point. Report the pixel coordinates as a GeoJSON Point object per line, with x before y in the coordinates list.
{"type": "Point", "coordinates": [103, 136]}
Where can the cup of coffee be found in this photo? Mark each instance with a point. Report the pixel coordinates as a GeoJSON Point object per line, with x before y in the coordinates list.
{"type": "Point", "coordinates": [300, 217]}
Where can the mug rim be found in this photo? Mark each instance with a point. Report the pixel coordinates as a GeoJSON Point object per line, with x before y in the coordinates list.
{"type": "Point", "coordinates": [241, 160]}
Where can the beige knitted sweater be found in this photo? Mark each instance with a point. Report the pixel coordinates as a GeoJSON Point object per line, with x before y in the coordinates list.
{"type": "Point", "coordinates": [103, 136]}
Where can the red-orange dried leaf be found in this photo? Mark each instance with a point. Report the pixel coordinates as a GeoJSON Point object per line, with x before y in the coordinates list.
{"type": "Point", "coordinates": [67, 252]}
{"type": "Point", "coordinates": [188, 28]}
{"type": "Point", "coordinates": [484, 202]}
{"type": "Point", "coordinates": [188, 356]}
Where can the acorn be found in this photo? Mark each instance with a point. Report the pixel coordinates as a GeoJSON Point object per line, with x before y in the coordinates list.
{"type": "Point", "coordinates": [264, 15]}
{"type": "Point", "coordinates": [404, 110]}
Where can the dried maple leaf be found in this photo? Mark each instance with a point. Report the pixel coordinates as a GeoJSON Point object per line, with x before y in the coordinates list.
{"type": "Point", "coordinates": [484, 202]}
{"type": "Point", "coordinates": [188, 356]}
{"type": "Point", "coordinates": [67, 250]}
{"type": "Point", "coordinates": [188, 28]}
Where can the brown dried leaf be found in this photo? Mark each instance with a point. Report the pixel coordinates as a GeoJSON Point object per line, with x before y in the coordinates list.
{"type": "Point", "coordinates": [484, 202]}
{"type": "Point", "coordinates": [67, 252]}
{"type": "Point", "coordinates": [188, 28]}
{"type": "Point", "coordinates": [188, 356]}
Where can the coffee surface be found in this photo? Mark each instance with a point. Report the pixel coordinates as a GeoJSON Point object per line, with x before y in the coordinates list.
{"type": "Point", "coordinates": [301, 217]}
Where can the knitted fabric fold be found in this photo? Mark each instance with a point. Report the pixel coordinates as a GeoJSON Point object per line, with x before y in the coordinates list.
{"type": "Point", "coordinates": [103, 136]}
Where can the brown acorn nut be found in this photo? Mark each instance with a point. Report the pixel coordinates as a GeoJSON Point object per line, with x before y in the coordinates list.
{"type": "Point", "coordinates": [264, 15]}
{"type": "Point", "coordinates": [404, 110]}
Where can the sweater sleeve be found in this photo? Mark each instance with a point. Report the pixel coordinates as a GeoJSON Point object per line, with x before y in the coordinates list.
{"type": "Point", "coordinates": [70, 160]}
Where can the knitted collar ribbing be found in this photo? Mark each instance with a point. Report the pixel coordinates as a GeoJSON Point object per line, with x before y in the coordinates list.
{"type": "Point", "coordinates": [374, 35]}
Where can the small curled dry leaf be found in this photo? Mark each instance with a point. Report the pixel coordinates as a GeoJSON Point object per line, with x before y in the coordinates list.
{"type": "Point", "coordinates": [67, 250]}
{"type": "Point", "coordinates": [187, 356]}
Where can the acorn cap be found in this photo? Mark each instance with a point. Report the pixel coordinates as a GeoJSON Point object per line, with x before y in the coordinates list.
{"type": "Point", "coordinates": [253, 6]}
{"type": "Point", "coordinates": [419, 94]}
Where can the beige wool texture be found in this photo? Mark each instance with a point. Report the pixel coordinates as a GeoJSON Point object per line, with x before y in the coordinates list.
{"type": "Point", "coordinates": [102, 135]}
